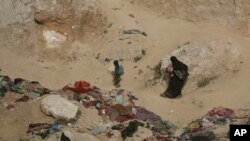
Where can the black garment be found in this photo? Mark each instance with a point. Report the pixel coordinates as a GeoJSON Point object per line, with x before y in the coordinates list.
{"type": "Point", "coordinates": [175, 85]}
{"type": "Point", "coordinates": [178, 79]}
{"type": "Point", "coordinates": [64, 138]}
{"type": "Point", "coordinates": [131, 129]}
{"type": "Point", "coordinates": [178, 65]}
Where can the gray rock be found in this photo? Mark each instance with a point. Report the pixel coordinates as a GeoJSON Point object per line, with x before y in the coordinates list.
{"type": "Point", "coordinates": [58, 107]}
{"type": "Point", "coordinates": [206, 59]}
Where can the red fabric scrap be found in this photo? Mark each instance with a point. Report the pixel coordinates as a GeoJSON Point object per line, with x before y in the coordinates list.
{"type": "Point", "coordinates": [220, 111]}
{"type": "Point", "coordinates": [10, 106]}
{"type": "Point", "coordinates": [24, 98]}
{"type": "Point", "coordinates": [91, 103]}
{"type": "Point", "coordinates": [110, 134]}
{"type": "Point", "coordinates": [80, 87]}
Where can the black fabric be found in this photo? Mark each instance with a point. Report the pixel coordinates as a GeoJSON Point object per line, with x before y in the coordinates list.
{"type": "Point", "coordinates": [178, 65]}
{"type": "Point", "coordinates": [64, 138]}
{"type": "Point", "coordinates": [131, 129]}
{"type": "Point", "coordinates": [18, 80]}
{"type": "Point", "coordinates": [177, 80]}
{"type": "Point", "coordinates": [175, 85]}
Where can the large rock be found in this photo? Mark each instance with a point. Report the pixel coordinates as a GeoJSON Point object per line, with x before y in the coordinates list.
{"type": "Point", "coordinates": [207, 59]}
{"type": "Point", "coordinates": [58, 107]}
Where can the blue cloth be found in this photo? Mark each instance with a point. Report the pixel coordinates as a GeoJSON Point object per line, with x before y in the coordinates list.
{"type": "Point", "coordinates": [119, 70]}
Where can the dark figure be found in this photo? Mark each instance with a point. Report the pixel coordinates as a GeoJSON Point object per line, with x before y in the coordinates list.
{"type": "Point", "coordinates": [178, 73]}
{"type": "Point", "coordinates": [117, 73]}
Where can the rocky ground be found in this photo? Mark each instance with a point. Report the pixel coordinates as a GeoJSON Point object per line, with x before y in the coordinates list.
{"type": "Point", "coordinates": [58, 42]}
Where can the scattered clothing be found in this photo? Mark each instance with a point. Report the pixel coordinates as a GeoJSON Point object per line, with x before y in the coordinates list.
{"type": "Point", "coordinates": [157, 138]}
{"type": "Point", "coordinates": [145, 115]}
{"type": "Point", "coordinates": [80, 87]}
{"type": "Point", "coordinates": [204, 136]}
{"type": "Point", "coordinates": [34, 127]}
{"type": "Point", "coordinates": [119, 99]}
{"type": "Point", "coordinates": [131, 129]}
{"type": "Point", "coordinates": [121, 109]}
{"type": "Point", "coordinates": [118, 112]}
{"type": "Point", "coordinates": [100, 129]}
{"type": "Point", "coordinates": [163, 127]}
{"type": "Point", "coordinates": [118, 127]}
{"type": "Point", "coordinates": [200, 128]}
{"type": "Point", "coordinates": [110, 134]}
{"type": "Point", "coordinates": [10, 107]}
{"type": "Point", "coordinates": [88, 104]}
{"type": "Point", "coordinates": [43, 129]}
{"type": "Point", "coordinates": [6, 84]}
{"type": "Point", "coordinates": [132, 97]}
{"type": "Point", "coordinates": [32, 88]}
{"type": "Point", "coordinates": [125, 118]}
{"type": "Point", "coordinates": [134, 31]}
{"type": "Point", "coordinates": [220, 111]}
{"type": "Point", "coordinates": [24, 98]}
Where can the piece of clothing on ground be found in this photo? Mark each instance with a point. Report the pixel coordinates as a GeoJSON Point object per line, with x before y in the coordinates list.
{"type": "Point", "coordinates": [163, 127]}
{"type": "Point", "coordinates": [145, 115]}
{"type": "Point", "coordinates": [43, 129]}
{"type": "Point", "coordinates": [131, 129]}
{"type": "Point", "coordinates": [80, 87]}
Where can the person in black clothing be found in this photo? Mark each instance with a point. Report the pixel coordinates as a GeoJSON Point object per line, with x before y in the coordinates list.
{"type": "Point", "coordinates": [178, 73]}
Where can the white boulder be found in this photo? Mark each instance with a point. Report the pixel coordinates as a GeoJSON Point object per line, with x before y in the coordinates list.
{"type": "Point", "coordinates": [58, 107]}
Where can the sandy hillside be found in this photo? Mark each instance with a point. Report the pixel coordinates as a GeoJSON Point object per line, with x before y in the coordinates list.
{"type": "Point", "coordinates": [164, 36]}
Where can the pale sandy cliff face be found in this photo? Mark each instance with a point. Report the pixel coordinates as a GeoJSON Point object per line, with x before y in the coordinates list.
{"type": "Point", "coordinates": [231, 13]}
{"type": "Point", "coordinates": [41, 24]}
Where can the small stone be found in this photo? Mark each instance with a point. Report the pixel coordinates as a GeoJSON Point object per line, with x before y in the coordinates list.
{"type": "Point", "coordinates": [131, 15]}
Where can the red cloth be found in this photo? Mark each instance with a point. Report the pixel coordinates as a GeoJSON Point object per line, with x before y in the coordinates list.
{"type": "Point", "coordinates": [220, 111]}
{"type": "Point", "coordinates": [23, 99]}
{"type": "Point", "coordinates": [80, 87]}
{"type": "Point", "coordinates": [91, 103]}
